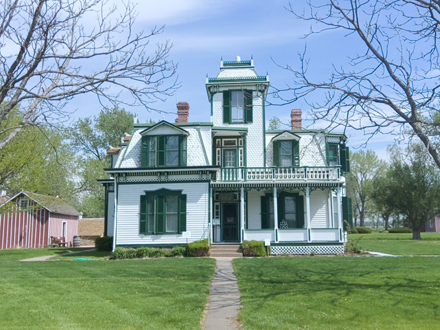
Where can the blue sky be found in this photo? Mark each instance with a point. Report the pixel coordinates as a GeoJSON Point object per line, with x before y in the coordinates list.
{"type": "Point", "coordinates": [203, 32]}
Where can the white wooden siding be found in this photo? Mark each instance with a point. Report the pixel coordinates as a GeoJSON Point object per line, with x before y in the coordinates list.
{"type": "Point", "coordinates": [255, 136]}
{"type": "Point", "coordinates": [128, 213]}
{"type": "Point", "coordinates": [110, 213]}
{"type": "Point", "coordinates": [319, 209]}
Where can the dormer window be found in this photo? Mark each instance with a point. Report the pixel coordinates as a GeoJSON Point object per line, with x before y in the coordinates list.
{"type": "Point", "coordinates": [237, 106]}
{"type": "Point", "coordinates": [286, 153]}
{"type": "Point", "coordinates": [164, 150]}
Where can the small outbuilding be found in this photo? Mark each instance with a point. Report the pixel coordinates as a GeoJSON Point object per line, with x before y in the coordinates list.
{"type": "Point", "coordinates": [30, 220]}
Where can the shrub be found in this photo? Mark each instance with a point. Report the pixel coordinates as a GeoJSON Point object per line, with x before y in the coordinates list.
{"type": "Point", "coordinates": [143, 252]}
{"type": "Point", "coordinates": [253, 249]}
{"type": "Point", "coordinates": [354, 231]}
{"type": "Point", "coordinates": [104, 243]}
{"type": "Point", "coordinates": [363, 230]}
{"type": "Point", "coordinates": [178, 251]}
{"type": "Point", "coordinates": [119, 253]}
{"type": "Point", "coordinates": [353, 246]}
{"type": "Point", "coordinates": [157, 253]}
{"type": "Point", "coordinates": [199, 248]}
{"type": "Point", "coordinates": [400, 230]}
{"type": "Point", "coordinates": [130, 254]}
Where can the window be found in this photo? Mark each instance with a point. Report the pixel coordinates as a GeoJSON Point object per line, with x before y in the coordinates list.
{"type": "Point", "coordinates": [229, 158]}
{"type": "Point", "coordinates": [237, 106]}
{"type": "Point", "coordinates": [163, 150]}
{"type": "Point", "coordinates": [163, 212]}
{"type": "Point", "coordinates": [286, 153]}
{"type": "Point", "coordinates": [290, 211]}
{"type": "Point", "coordinates": [338, 154]}
{"type": "Point", "coordinates": [23, 203]}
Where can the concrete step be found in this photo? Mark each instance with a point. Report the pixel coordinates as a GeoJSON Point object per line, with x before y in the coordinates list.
{"type": "Point", "coordinates": [228, 255]}
{"type": "Point", "coordinates": [226, 248]}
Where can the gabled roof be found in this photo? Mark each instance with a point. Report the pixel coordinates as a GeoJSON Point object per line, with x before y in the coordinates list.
{"type": "Point", "coordinates": [52, 204]}
{"type": "Point", "coordinates": [286, 135]}
{"type": "Point", "coordinates": [164, 123]}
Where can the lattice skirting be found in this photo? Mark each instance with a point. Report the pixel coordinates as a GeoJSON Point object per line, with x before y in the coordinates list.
{"type": "Point", "coordinates": [308, 249]}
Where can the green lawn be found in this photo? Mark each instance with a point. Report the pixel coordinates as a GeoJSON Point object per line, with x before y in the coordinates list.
{"type": "Point", "coordinates": [339, 292]}
{"type": "Point", "coordinates": [122, 294]}
{"type": "Point", "coordinates": [400, 244]}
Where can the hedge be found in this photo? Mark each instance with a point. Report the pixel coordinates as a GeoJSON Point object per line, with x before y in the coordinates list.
{"type": "Point", "coordinates": [400, 230]}
{"type": "Point", "coordinates": [143, 252]}
{"type": "Point", "coordinates": [199, 249]}
{"type": "Point", "coordinates": [253, 249]}
{"type": "Point", "coordinates": [104, 243]}
{"type": "Point", "coordinates": [363, 230]}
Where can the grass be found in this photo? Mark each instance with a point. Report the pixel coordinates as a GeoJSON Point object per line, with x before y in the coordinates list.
{"type": "Point", "coordinates": [339, 293]}
{"type": "Point", "coordinates": [122, 294]}
{"type": "Point", "coordinates": [90, 255]}
{"type": "Point", "coordinates": [399, 244]}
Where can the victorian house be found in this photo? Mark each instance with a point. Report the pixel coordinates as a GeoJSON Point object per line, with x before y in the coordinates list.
{"type": "Point", "coordinates": [230, 179]}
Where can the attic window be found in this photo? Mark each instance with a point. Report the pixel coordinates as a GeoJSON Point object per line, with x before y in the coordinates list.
{"type": "Point", "coordinates": [23, 203]}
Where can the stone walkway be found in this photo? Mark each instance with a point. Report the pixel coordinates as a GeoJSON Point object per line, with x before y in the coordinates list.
{"type": "Point", "coordinates": [44, 258]}
{"type": "Point", "coordinates": [224, 298]}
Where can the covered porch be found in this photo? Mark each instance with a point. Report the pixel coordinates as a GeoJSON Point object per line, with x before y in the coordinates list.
{"type": "Point", "coordinates": [279, 213]}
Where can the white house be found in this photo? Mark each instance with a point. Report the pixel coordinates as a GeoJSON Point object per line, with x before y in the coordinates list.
{"type": "Point", "coordinates": [229, 180]}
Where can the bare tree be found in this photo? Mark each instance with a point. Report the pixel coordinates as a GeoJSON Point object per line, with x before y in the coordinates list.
{"type": "Point", "coordinates": [391, 80]}
{"type": "Point", "coordinates": [54, 50]}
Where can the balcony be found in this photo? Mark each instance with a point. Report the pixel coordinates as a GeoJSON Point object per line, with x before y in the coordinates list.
{"type": "Point", "coordinates": [281, 174]}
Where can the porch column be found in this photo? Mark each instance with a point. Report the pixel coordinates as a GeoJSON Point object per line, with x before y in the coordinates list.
{"type": "Point", "coordinates": [309, 232]}
{"type": "Point", "coordinates": [275, 213]}
{"type": "Point", "coordinates": [339, 206]}
{"type": "Point", "coordinates": [242, 206]}
{"type": "Point", "coordinates": [210, 208]}
{"type": "Point", "coordinates": [115, 218]}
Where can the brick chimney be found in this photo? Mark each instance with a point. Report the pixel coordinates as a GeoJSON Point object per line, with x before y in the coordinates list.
{"type": "Point", "coordinates": [182, 112]}
{"type": "Point", "coordinates": [295, 118]}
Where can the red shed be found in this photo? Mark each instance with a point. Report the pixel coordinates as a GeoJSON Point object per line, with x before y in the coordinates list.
{"type": "Point", "coordinates": [28, 220]}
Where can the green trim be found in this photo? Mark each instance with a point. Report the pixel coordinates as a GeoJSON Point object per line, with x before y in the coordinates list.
{"type": "Point", "coordinates": [247, 63]}
{"type": "Point", "coordinates": [203, 145]}
{"type": "Point", "coordinates": [115, 224]}
{"type": "Point", "coordinates": [161, 169]}
{"type": "Point", "coordinates": [266, 229]}
{"type": "Point", "coordinates": [163, 122]}
{"type": "Point", "coordinates": [239, 79]}
{"type": "Point", "coordinates": [123, 156]}
{"type": "Point", "coordinates": [162, 245]}
{"type": "Point", "coordinates": [166, 182]}
{"type": "Point", "coordinates": [229, 128]}
{"type": "Point", "coordinates": [106, 211]}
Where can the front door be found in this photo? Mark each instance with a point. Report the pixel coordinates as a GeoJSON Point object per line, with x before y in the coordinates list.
{"type": "Point", "coordinates": [230, 222]}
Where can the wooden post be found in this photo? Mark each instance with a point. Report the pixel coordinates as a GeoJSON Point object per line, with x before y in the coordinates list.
{"type": "Point", "coordinates": [275, 212]}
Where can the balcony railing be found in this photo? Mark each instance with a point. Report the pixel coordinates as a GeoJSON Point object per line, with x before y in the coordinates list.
{"type": "Point", "coordinates": [259, 174]}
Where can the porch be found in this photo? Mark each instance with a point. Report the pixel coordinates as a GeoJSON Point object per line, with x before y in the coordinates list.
{"type": "Point", "coordinates": [291, 213]}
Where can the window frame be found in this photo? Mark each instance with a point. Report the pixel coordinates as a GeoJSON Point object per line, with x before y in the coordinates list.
{"type": "Point", "coordinates": [160, 212]}
{"type": "Point", "coordinates": [277, 154]}
{"type": "Point", "coordinates": [161, 152]}
{"type": "Point", "coordinates": [247, 106]}
{"type": "Point", "coordinates": [265, 210]}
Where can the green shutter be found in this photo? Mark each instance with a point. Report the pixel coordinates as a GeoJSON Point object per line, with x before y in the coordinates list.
{"type": "Point", "coordinates": [300, 211]}
{"type": "Point", "coordinates": [160, 214]}
{"type": "Point", "coordinates": [264, 215]}
{"type": "Point", "coordinates": [347, 212]}
{"type": "Point", "coordinates": [160, 150]}
{"type": "Point", "coordinates": [143, 215]}
{"type": "Point", "coordinates": [276, 153]}
{"type": "Point", "coordinates": [281, 208]}
{"type": "Point", "coordinates": [182, 213]}
{"type": "Point", "coordinates": [226, 107]}
{"type": "Point", "coordinates": [327, 153]}
{"type": "Point", "coordinates": [295, 153]}
{"type": "Point", "coordinates": [345, 158]}
{"type": "Point", "coordinates": [248, 103]}
{"type": "Point", "coordinates": [183, 148]}
{"type": "Point", "coordinates": [144, 152]}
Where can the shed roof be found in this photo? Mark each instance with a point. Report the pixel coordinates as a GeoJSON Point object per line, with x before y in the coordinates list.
{"type": "Point", "coordinates": [52, 204]}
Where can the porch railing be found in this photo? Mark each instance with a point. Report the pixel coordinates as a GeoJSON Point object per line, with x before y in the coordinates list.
{"type": "Point", "coordinates": [258, 174]}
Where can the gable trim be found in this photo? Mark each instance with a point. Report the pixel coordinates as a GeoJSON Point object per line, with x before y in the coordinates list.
{"type": "Point", "coordinates": [161, 123]}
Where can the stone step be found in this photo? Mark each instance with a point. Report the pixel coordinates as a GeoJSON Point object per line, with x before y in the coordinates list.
{"type": "Point", "coordinates": [226, 251]}
{"type": "Point", "coordinates": [226, 247]}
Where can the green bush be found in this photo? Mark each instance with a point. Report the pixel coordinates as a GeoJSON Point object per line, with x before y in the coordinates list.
{"type": "Point", "coordinates": [143, 252]}
{"type": "Point", "coordinates": [199, 249]}
{"type": "Point", "coordinates": [178, 251]}
{"type": "Point", "coordinates": [119, 253]}
{"type": "Point", "coordinates": [363, 230]}
{"type": "Point", "coordinates": [253, 249]}
{"type": "Point", "coordinates": [400, 230]}
{"type": "Point", "coordinates": [104, 243]}
{"type": "Point", "coordinates": [354, 231]}
{"type": "Point", "coordinates": [157, 253]}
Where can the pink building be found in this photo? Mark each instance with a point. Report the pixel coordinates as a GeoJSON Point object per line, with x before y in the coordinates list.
{"type": "Point", "coordinates": [433, 225]}
{"type": "Point", "coordinates": [28, 220]}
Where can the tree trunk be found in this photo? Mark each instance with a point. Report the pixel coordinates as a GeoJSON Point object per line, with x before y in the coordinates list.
{"type": "Point", "coordinates": [386, 220]}
{"type": "Point", "coordinates": [355, 222]}
{"type": "Point", "coordinates": [362, 216]}
{"type": "Point", "coordinates": [416, 234]}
